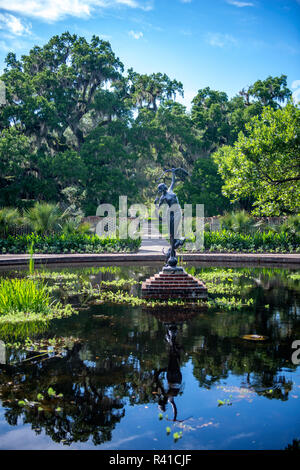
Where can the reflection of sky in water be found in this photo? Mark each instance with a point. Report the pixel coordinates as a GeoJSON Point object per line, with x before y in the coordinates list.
{"type": "Point", "coordinates": [234, 394]}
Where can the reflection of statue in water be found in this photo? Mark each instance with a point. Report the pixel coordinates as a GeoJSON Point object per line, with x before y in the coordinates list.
{"type": "Point", "coordinates": [174, 213]}
{"type": "Point", "coordinates": [174, 376]}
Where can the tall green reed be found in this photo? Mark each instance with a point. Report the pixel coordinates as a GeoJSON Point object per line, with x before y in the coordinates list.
{"type": "Point", "coordinates": [23, 295]}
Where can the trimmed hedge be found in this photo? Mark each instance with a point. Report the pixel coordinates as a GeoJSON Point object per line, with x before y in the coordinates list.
{"type": "Point", "coordinates": [226, 240]}
{"type": "Point", "coordinates": [61, 243]}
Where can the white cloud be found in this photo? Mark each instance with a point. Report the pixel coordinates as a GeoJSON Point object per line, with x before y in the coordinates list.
{"type": "Point", "coordinates": [295, 84]}
{"type": "Point", "coordinates": [136, 34]}
{"type": "Point", "coordinates": [4, 47]}
{"type": "Point", "coordinates": [296, 94]}
{"type": "Point", "coordinates": [185, 32]}
{"type": "Point", "coordinates": [220, 40]}
{"type": "Point", "coordinates": [12, 24]}
{"type": "Point", "coordinates": [13, 44]}
{"type": "Point", "coordinates": [186, 1]}
{"type": "Point", "coordinates": [239, 4]}
{"type": "Point", "coordinates": [54, 10]}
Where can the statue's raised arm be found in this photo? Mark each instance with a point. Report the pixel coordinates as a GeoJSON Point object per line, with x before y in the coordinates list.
{"type": "Point", "coordinates": [180, 173]}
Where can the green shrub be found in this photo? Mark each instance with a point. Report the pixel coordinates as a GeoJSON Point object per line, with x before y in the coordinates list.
{"type": "Point", "coordinates": [45, 218]}
{"type": "Point", "coordinates": [238, 222]}
{"type": "Point", "coordinates": [291, 226]}
{"type": "Point", "coordinates": [74, 225]}
{"type": "Point", "coordinates": [9, 220]}
{"type": "Point", "coordinates": [257, 242]}
{"type": "Point", "coordinates": [62, 243]}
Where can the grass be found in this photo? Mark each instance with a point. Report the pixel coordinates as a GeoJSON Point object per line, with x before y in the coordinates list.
{"type": "Point", "coordinates": [26, 300]}
{"type": "Point", "coordinates": [23, 295]}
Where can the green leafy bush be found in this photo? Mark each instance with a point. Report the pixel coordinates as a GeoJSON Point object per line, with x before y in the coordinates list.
{"type": "Point", "coordinates": [270, 241]}
{"type": "Point", "coordinates": [71, 243]}
{"type": "Point", "coordinates": [290, 226]}
{"type": "Point", "coordinates": [74, 225]}
{"type": "Point", "coordinates": [45, 218]}
{"type": "Point", "coordinates": [238, 222]}
{"type": "Point", "coordinates": [9, 220]}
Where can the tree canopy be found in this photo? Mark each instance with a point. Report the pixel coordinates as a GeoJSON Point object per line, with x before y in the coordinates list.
{"type": "Point", "coordinates": [265, 163]}
{"type": "Point", "coordinates": [78, 129]}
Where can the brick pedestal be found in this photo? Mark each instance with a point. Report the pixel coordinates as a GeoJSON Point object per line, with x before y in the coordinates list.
{"type": "Point", "coordinates": [173, 284]}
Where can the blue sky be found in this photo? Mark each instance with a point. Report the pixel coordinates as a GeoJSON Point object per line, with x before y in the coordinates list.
{"type": "Point", "coordinates": [223, 44]}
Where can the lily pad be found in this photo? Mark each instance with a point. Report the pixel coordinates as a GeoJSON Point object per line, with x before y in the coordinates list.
{"type": "Point", "coordinates": [255, 337]}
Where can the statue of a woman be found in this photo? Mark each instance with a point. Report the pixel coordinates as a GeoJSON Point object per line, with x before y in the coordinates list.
{"type": "Point", "coordinates": [174, 214]}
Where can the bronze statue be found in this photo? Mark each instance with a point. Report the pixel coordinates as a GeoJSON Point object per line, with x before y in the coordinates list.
{"type": "Point", "coordinates": [174, 213]}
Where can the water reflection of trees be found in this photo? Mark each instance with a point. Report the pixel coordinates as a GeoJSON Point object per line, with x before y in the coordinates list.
{"type": "Point", "coordinates": [121, 357]}
{"type": "Point", "coordinates": [87, 408]}
{"type": "Point", "coordinates": [257, 364]}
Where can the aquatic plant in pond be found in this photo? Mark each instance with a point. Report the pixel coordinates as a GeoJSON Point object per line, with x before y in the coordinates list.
{"type": "Point", "coordinates": [220, 282]}
{"type": "Point", "coordinates": [18, 332]}
{"type": "Point", "coordinates": [103, 373]}
{"type": "Point", "coordinates": [25, 299]}
{"type": "Point", "coordinates": [23, 295]}
{"type": "Point", "coordinates": [123, 284]}
{"type": "Point", "coordinates": [229, 290]}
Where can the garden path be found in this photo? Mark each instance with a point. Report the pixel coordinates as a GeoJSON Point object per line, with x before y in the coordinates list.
{"type": "Point", "coordinates": [152, 241]}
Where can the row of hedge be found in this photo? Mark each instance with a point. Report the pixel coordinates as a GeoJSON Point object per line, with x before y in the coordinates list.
{"type": "Point", "coordinates": [252, 243]}
{"type": "Point", "coordinates": [213, 241]}
{"type": "Point", "coordinates": [61, 243]}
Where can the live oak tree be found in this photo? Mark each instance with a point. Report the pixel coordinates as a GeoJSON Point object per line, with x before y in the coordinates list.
{"type": "Point", "coordinates": [150, 90]}
{"type": "Point", "coordinates": [217, 121]}
{"type": "Point", "coordinates": [68, 127]}
{"type": "Point", "coordinates": [220, 119]}
{"type": "Point", "coordinates": [265, 163]}
{"type": "Point", "coordinates": [53, 87]}
{"type": "Point", "coordinates": [79, 130]}
{"type": "Point", "coordinates": [48, 93]}
{"type": "Point", "coordinates": [165, 138]}
{"type": "Point", "coordinates": [270, 92]}
{"type": "Point", "coordinates": [209, 114]}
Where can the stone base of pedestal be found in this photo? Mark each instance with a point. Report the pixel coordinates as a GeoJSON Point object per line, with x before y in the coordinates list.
{"type": "Point", "coordinates": [174, 284]}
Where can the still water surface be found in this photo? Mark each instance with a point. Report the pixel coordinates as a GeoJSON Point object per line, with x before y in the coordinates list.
{"type": "Point", "coordinates": [132, 378]}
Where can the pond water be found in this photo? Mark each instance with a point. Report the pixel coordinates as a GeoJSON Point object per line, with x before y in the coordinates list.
{"type": "Point", "coordinates": [137, 378]}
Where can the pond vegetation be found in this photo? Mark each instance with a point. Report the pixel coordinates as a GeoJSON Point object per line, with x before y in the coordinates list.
{"type": "Point", "coordinates": [106, 372]}
{"type": "Point", "coordinates": [23, 300]}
